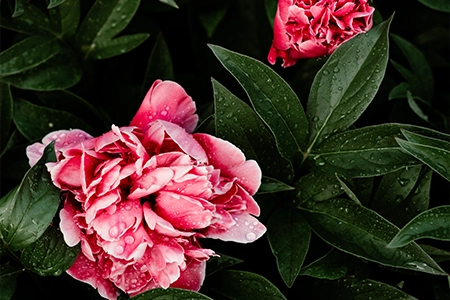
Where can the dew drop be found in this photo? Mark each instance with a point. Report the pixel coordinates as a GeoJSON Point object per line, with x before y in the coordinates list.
{"type": "Point", "coordinates": [119, 250]}
{"type": "Point", "coordinates": [250, 236]}
{"type": "Point", "coordinates": [325, 72]}
{"type": "Point", "coordinates": [129, 240]}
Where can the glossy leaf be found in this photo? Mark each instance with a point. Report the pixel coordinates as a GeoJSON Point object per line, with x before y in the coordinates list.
{"type": "Point", "coordinates": [273, 100]}
{"type": "Point", "coordinates": [333, 265]}
{"type": "Point", "coordinates": [106, 19]}
{"type": "Point", "coordinates": [27, 54]}
{"type": "Point", "coordinates": [317, 187]}
{"type": "Point", "coordinates": [236, 122]}
{"type": "Point", "coordinates": [433, 223]}
{"type": "Point", "coordinates": [171, 293]}
{"type": "Point", "coordinates": [348, 190]}
{"type": "Point", "coordinates": [347, 83]}
{"type": "Point", "coordinates": [49, 255]}
{"type": "Point", "coordinates": [271, 185]}
{"type": "Point", "coordinates": [170, 3]}
{"type": "Point", "coordinates": [440, 5]}
{"type": "Point", "coordinates": [367, 151]}
{"type": "Point", "coordinates": [65, 17]}
{"type": "Point", "coordinates": [59, 72]}
{"type": "Point", "coordinates": [8, 280]}
{"type": "Point", "coordinates": [415, 107]}
{"type": "Point", "coordinates": [159, 65]}
{"type": "Point", "coordinates": [220, 262]}
{"type": "Point", "coordinates": [6, 111]}
{"type": "Point", "coordinates": [34, 121]}
{"type": "Point", "coordinates": [289, 236]}
{"type": "Point", "coordinates": [360, 231]}
{"type": "Point", "coordinates": [437, 254]}
{"type": "Point", "coordinates": [31, 20]}
{"type": "Point", "coordinates": [19, 7]}
{"type": "Point", "coordinates": [433, 152]}
{"type": "Point", "coordinates": [351, 288]}
{"type": "Point", "coordinates": [22, 217]}
{"type": "Point", "coordinates": [54, 3]}
{"type": "Point", "coordinates": [243, 285]}
{"type": "Point", "coordinates": [423, 77]}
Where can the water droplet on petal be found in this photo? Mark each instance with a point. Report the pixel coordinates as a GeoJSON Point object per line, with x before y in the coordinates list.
{"type": "Point", "coordinates": [250, 236]}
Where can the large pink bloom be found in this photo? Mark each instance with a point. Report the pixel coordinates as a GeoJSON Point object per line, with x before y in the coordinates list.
{"type": "Point", "coordinates": [139, 198]}
{"type": "Point", "coordinates": [314, 28]}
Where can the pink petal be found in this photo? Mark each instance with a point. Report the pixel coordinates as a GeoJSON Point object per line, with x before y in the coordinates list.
{"type": "Point", "coordinates": [155, 222]}
{"type": "Point", "coordinates": [246, 230]}
{"type": "Point", "coordinates": [166, 100]}
{"type": "Point", "coordinates": [231, 161]}
{"type": "Point", "coordinates": [89, 272]}
{"type": "Point", "coordinates": [192, 277]}
{"type": "Point", "coordinates": [150, 182]}
{"type": "Point", "coordinates": [69, 228]}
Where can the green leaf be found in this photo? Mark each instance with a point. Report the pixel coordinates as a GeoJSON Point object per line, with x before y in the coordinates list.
{"type": "Point", "coordinates": [350, 288]}
{"type": "Point", "coordinates": [271, 10]}
{"type": "Point", "coordinates": [236, 122]}
{"type": "Point", "coordinates": [65, 18]}
{"type": "Point", "coordinates": [431, 151]}
{"type": "Point", "coordinates": [170, 294]}
{"type": "Point", "coordinates": [415, 107]}
{"type": "Point", "coordinates": [159, 65]}
{"type": "Point", "coordinates": [59, 72]}
{"type": "Point", "coordinates": [317, 187]}
{"type": "Point", "coordinates": [118, 46]}
{"type": "Point", "coordinates": [34, 121]}
{"type": "Point", "coordinates": [440, 5]}
{"type": "Point", "coordinates": [8, 280]}
{"type": "Point", "coordinates": [433, 223]}
{"type": "Point", "coordinates": [273, 100]}
{"type": "Point", "coordinates": [54, 3]}
{"type": "Point", "coordinates": [243, 285]}
{"type": "Point", "coordinates": [27, 210]}
{"type": "Point", "coordinates": [437, 254]}
{"type": "Point", "coordinates": [360, 231]}
{"type": "Point", "coordinates": [170, 3]}
{"type": "Point", "coordinates": [365, 152]}
{"type": "Point", "coordinates": [399, 91]}
{"type": "Point", "coordinates": [211, 13]}
{"type": "Point", "coordinates": [420, 68]}
{"type": "Point", "coordinates": [30, 21]}
{"type": "Point", "coordinates": [333, 265]}
{"type": "Point", "coordinates": [289, 236]}
{"type": "Point", "coordinates": [6, 112]}
{"type": "Point", "coordinates": [105, 20]}
{"type": "Point", "coordinates": [49, 255]}
{"type": "Point", "coordinates": [27, 54]}
{"type": "Point", "coordinates": [348, 191]}
{"type": "Point", "coordinates": [390, 199]}
{"type": "Point", "coordinates": [271, 185]}
{"type": "Point", "coordinates": [19, 7]}
{"type": "Point", "coordinates": [363, 189]}
{"type": "Point", "coordinates": [347, 83]}
{"type": "Point", "coordinates": [215, 263]}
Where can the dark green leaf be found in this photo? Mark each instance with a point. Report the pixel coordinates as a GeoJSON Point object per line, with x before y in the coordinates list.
{"type": "Point", "coordinates": [350, 288]}
{"type": "Point", "coordinates": [399, 91]}
{"type": "Point", "coordinates": [27, 210]}
{"type": "Point", "coordinates": [170, 3]}
{"type": "Point", "coordinates": [363, 188]}
{"type": "Point", "coordinates": [433, 223]}
{"type": "Point", "coordinates": [289, 236]}
{"type": "Point", "coordinates": [334, 265]}
{"type": "Point", "coordinates": [59, 72]}
{"type": "Point", "coordinates": [54, 3]}
{"type": "Point", "coordinates": [347, 190]}
{"type": "Point", "coordinates": [211, 13]}
{"type": "Point", "coordinates": [159, 65]}
{"type": "Point", "coordinates": [65, 18]}
{"type": "Point", "coordinates": [31, 21]}
{"type": "Point", "coordinates": [271, 10]}
{"type": "Point", "coordinates": [170, 294]}
{"type": "Point", "coordinates": [437, 254]}
{"type": "Point", "coordinates": [34, 121]}
{"type": "Point", "coordinates": [8, 280]}
{"type": "Point", "coordinates": [27, 54]}
{"type": "Point", "coordinates": [440, 5]}
{"type": "Point", "coordinates": [6, 111]}
{"type": "Point", "coordinates": [433, 152]}
{"type": "Point", "coordinates": [360, 231]}
{"type": "Point", "coordinates": [415, 107]}
{"type": "Point", "coordinates": [106, 19]}
{"type": "Point", "coordinates": [243, 285]}
{"type": "Point", "coordinates": [367, 151]}
{"type": "Point", "coordinates": [271, 185]}
{"type": "Point", "coordinates": [237, 122]}
{"type": "Point", "coordinates": [347, 83]}
{"type": "Point", "coordinates": [420, 68]}
{"type": "Point", "coordinates": [118, 46]}
{"type": "Point", "coordinates": [317, 187]}
{"type": "Point", "coordinates": [19, 7]}
{"type": "Point", "coordinates": [273, 100]}
{"type": "Point", "coordinates": [215, 264]}
{"type": "Point", "coordinates": [405, 73]}
{"type": "Point", "coordinates": [49, 255]}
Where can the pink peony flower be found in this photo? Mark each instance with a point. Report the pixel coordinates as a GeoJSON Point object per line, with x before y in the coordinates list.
{"type": "Point", "coordinates": [314, 28]}
{"type": "Point", "coordinates": [140, 197]}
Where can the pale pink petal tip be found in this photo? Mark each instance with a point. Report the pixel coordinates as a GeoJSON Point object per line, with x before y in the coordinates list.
{"type": "Point", "coordinates": [246, 230]}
